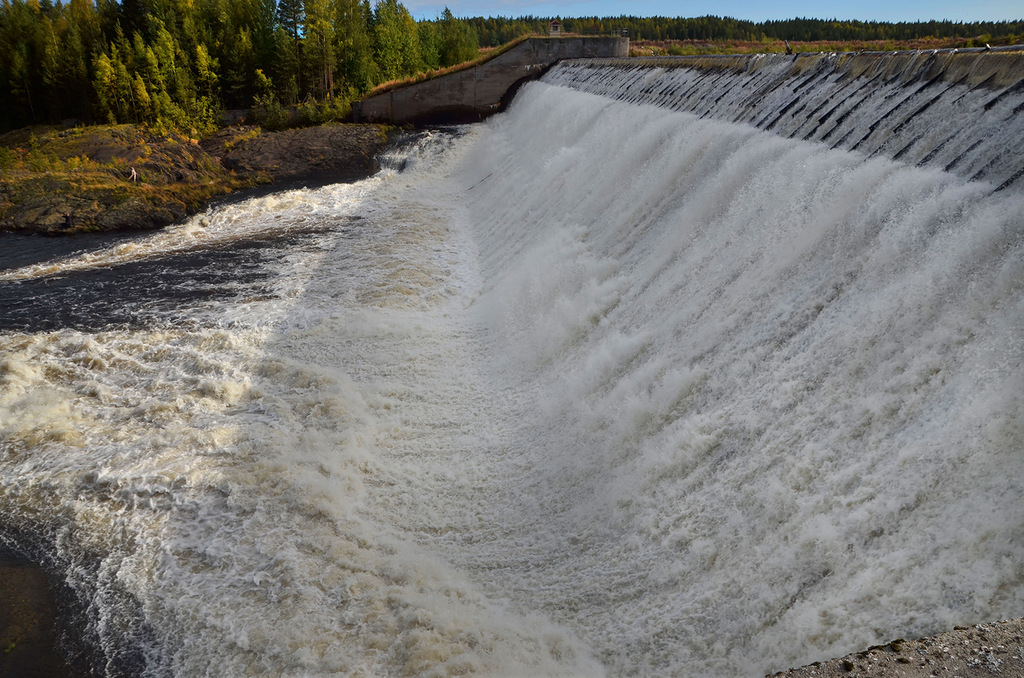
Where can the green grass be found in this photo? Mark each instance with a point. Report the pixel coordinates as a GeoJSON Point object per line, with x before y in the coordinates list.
{"type": "Point", "coordinates": [486, 54]}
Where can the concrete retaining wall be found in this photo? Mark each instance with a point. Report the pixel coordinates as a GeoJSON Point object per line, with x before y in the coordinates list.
{"type": "Point", "coordinates": [480, 91]}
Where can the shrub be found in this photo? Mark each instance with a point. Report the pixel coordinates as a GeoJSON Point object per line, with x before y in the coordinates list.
{"type": "Point", "coordinates": [269, 112]}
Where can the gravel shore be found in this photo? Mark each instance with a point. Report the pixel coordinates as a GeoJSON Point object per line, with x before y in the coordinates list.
{"type": "Point", "coordinates": [984, 650]}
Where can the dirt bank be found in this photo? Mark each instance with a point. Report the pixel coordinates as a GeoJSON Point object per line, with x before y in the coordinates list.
{"type": "Point", "coordinates": [106, 178]}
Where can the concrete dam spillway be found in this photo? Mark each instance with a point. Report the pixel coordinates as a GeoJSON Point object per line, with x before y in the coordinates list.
{"type": "Point", "coordinates": [706, 368]}
{"type": "Point", "coordinates": [957, 110]}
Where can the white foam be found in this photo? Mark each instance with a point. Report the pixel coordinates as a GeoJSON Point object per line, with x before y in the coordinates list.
{"type": "Point", "coordinates": [754, 373]}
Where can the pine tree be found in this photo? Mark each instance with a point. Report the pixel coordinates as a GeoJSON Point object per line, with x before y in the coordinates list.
{"type": "Point", "coordinates": [291, 14]}
{"type": "Point", "coordinates": [320, 43]}
{"type": "Point", "coordinates": [354, 51]}
{"type": "Point", "coordinates": [458, 41]}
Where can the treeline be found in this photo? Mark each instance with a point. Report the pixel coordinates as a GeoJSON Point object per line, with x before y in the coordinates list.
{"type": "Point", "coordinates": [807, 30]}
{"type": "Point", "coordinates": [496, 31]}
{"type": "Point", "coordinates": [177, 64]}
{"type": "Point", "coordinates": [180, 63]}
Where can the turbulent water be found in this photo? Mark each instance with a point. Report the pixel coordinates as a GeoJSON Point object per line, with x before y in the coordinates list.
{"type": "Point", "coordinates": [590, 389]}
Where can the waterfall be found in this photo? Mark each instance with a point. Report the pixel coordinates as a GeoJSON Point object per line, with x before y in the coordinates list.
{"type": "Point", "coordinates": [955, 110]}
{"type": "Point", "coordinates": [774, 407]}
{"type": "Point", "coordinates": [596, 387]}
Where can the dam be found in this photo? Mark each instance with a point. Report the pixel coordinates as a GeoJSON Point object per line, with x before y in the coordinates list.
{"type": "Point", "coordinates": [670, 368]}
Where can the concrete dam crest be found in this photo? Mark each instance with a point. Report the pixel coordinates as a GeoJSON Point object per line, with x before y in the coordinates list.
{"type": "Point", "coordinates": [955, 110]}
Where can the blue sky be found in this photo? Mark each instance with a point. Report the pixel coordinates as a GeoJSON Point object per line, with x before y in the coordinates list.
{"type": "Point", "coordinates": [864, 10]}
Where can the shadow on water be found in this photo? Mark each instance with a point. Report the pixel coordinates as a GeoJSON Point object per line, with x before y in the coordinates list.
{"type": "Point", "coordinates": [28, 621]}
{"type": "Point", "coordinates": [44, 627]}
{"type": "Point", "coordinates": [26, 249]}
{"type": "Point", "coordinates": [134, 294]}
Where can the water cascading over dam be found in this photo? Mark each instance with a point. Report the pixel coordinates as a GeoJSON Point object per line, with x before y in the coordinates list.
{"type": "Point", "coordinates": [596, 387]}
{"type": "Point", "coordinates": [953, 110]}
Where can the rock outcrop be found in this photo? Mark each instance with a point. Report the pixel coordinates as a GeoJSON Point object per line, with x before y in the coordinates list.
{"type": "Point", "coordinates": [106, 178]}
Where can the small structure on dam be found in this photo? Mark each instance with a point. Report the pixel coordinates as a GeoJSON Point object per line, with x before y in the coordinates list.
{"type": "Point", "coordinates": [475, 93]}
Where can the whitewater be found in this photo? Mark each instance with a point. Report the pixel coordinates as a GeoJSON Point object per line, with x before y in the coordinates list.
{"type": "Point", "coordinates": [591, 388]}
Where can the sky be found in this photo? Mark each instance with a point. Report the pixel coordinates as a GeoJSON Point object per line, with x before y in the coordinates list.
{"type": "Point", "coordinates": [864, 10]}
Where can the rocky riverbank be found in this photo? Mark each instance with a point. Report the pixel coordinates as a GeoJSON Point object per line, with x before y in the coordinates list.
{"type": "Point", "coordinates": [984, 650]}
{"type": "Point", "coordinates": [105, 178]}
